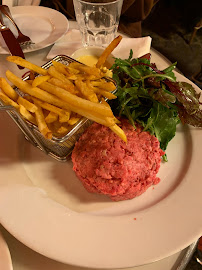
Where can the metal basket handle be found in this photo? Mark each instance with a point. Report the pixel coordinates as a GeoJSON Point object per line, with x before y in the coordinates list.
{"type": "Point", "coordinates": [23, 126]}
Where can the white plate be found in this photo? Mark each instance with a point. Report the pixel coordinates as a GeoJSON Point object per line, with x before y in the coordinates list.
{"type": "Point", "coordinates": [45, 206]}
{"type": "Point", "coordinates": [43, 25]}
{"type": "Point", "coordinates": [5, 257]}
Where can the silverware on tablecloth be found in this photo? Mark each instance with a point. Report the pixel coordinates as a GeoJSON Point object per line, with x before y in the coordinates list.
{"type": "Point", "coordinates": [23, 40]}
{"type": "Point", "coordinates": [10, 40]}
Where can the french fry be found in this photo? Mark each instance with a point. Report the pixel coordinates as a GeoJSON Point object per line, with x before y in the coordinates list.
{"type": "Point", "coordinates": [8, 89]}
{"type": "Point", "coordinates": [54, 73]}
{"type": "Point", "coordinates": [84, 77]}
{"type": "Point", "coordinates": [87, 92]}
{"type": "Point", "coordinates": [107, 72]}
{"type": "Point", "coordinates": [63, 69]}
{"type": "Point", "coordinates": [54, 127]}
{"type": "Point", "coordinates": [64, 114]}
{"type": "Point", "coordinates": [27, 104]}
{"type": "Point", "coordinates": [8, 101]}
{"type": "Point", "coordinates": [26, 114]}
{"type": "Point", "coordinates": [72, 70]}
{"type": "Point", "coordinates": [107, 86]}
{"type": "Point", "coordinates": [40, 79]}
{"type": "Point", "coordinates": [60, 67]}
{"type": "Point", "coordinates": [28, 89]}
{"type": "Point", "coordinates": [59, 129]}
{"type": "Point", "coordinates": [51, 117]}
{"type": "Point", "coordinates": [62, 130]}
{"type": "Point", "coordinates": [60, 84]}
{"type": "Point", "coordinates": [75, 100]}
{"type": "Point", "coordinates": [88, 77]}
{"type": "Point", "coordinates": [94, 111]}
{"type": "Point", "coordinates": [106, 94]}
{"type": "Point", "coordinates": [73, 120]}
{"type": "Point", "coordinates": [89, 70]}
{"type": "Point", "coordinates": [64, 118]}
{"type": "Point", "coordinates": [116, 129]}
{"type": "Point", "coordinates": [24, 63]}
{"type": "Point", "coordinates": [104, 102]}
{"type": "Point", "coordinates": [102, 92]}
{"type": "Point", "coordinates": [63, 94]}
{"type": "Point", "coordinates": [43, 128]}
{"type": "Point", "coordinates": [73, 77]}
{"type": "Point", "coordinates": [108, 50]}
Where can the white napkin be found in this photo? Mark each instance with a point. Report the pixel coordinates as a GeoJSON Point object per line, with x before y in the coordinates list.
{"type": "Point", "coordinates": [67, 44]}
{"type": "Point", "coordinates": [72, 41]}
{"type": "Point", "coordinates": [140, 46]}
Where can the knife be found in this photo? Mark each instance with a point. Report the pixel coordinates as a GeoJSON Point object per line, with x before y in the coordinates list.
{"type": "Point", "coordinates": [10, 40]}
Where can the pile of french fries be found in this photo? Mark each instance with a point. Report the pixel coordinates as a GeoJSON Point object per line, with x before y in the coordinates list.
{"type": "Point", "coordinates": [54, 99]}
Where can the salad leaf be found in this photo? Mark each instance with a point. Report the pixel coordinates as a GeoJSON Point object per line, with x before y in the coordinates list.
{"type": "Point", "coordinates": [188, 102]}
{"type": "Point", "coordinates": [165, 124]}
{"type": "Point", "coordinates": [169, 71]}
{"type": "Point", "coordinates": [153, 98]}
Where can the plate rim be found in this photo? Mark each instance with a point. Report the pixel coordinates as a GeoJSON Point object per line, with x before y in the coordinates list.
{"type": "Point", "coordinates": [31, 9]}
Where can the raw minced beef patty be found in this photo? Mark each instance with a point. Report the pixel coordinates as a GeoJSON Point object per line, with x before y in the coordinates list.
{"type": "Point", "coordinates": [107, 165]}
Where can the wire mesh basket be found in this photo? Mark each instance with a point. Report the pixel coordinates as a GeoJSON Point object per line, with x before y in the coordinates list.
{"type": "Point", "coordinates": [58, 147]}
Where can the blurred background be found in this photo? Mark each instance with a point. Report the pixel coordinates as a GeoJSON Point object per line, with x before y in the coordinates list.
{"type": "Point", "coordinates": [174, 25]}
{"type": "Point", "coordinates": [176, 30]}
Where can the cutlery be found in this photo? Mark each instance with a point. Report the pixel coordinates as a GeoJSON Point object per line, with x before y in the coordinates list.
{"type": "Point", "coordinates": [187, 256]}
{"type": "Point", "coordinates": [23, 40]}
{"type": "Point", "coordinates": [198, 254]}
{"type": "Point", "coordinates": [10, 40]}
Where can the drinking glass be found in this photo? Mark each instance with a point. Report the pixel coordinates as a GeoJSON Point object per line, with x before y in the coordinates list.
{"type": "Point", "coordinates": [98, 20]}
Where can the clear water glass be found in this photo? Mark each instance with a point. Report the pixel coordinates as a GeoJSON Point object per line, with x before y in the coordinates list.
{"type": "Point", "coordinates": [98, 20]}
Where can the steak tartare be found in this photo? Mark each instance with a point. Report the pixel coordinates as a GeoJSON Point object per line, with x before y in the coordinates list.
{"type": "Point", "coordinates": [107, 165]}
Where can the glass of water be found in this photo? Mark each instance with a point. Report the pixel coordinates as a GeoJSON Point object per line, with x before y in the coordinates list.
{"type": "Point", "coordinates": [98, 20]}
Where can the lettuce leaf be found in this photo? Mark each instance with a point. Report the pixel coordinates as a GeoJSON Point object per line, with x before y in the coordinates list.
{"type": "Point", "coordinates": [153, 98]}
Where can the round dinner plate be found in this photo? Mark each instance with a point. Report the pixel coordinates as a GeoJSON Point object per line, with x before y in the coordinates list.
{"type": "Point", "coordinates": [43, 25]}
{"type": "Point", "coordinates": [45, 206]}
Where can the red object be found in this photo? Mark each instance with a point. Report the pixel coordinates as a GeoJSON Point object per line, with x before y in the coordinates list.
{"type": "Point", "coordinates": [10, 40]}
{"type": "Point", "coordinates": [107, 165]}
{"type": "Point", "coordinates": [146, 56]}
{"type": "Point", "coordinates": [200, 244]}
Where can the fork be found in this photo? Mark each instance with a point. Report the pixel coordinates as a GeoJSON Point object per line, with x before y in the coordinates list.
{"type": "Point", "coordinates": [23, 40]}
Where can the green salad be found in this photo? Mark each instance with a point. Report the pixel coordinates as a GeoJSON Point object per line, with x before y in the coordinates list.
{"type": "Point", "coordinates": [153, 98]}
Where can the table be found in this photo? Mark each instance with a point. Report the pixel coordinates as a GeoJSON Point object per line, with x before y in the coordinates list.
{"type": "Point", "coordinates": [24, 258]}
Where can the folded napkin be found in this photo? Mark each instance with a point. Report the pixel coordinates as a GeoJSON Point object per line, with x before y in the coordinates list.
{"type": "Point", "coordinates": [67, 44]}
{"type": "Point", "coordinates": [72, 41]}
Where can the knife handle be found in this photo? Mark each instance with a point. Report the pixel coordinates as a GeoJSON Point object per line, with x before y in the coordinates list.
{"type": "Point", "coordinates": [6, 11]}
{"type": "Point", "coordinates": [2, 27]}
{"type": "Point", "coordinates": [1, 21]}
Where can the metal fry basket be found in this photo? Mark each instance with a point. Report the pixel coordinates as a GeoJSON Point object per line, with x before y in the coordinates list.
{"type": "Point", "coordinates": [58, 148]}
